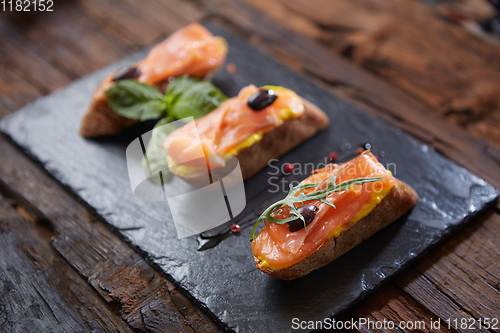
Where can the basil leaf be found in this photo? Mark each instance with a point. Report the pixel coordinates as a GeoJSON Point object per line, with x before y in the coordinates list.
{"type": "Point", "coordinates": [156, 157]}
{"type": "Point", "coordinates": [188, 97]}
{"type": "Point", "coordinates": [153, 110]}
{"type": "Point", "coordinates": [134, 100]}
{"type": "Point", "coordinates": [178, 86]}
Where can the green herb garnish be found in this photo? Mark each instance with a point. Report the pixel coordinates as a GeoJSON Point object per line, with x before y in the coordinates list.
{"type": "Point", "coordinates": [138, 101]}
{"type": "Point", "coordinates": [291, 199]}
{"type": "Point", "coordinates": [185, 97]}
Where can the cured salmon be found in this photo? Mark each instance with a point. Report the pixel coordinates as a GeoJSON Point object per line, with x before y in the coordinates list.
{"type": "Point", "coordinates": [276, 247]}
{"type": "Point", "coordinates": [232, 127]}
{"type": "Point", "coordinates": [192, 51]}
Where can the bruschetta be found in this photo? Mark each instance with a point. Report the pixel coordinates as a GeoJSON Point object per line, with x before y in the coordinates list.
{"type": "Point", "coordinates": [256, 126]}
{"type": "Point", "coordinates": [334, 223]}
{"type": "Point", "coordinates": [191, 51]}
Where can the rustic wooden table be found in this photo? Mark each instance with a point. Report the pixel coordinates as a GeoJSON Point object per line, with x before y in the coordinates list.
{"type": "Point", "coordinates": [62, 270]}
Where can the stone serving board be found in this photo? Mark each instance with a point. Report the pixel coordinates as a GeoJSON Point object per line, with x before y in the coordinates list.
{"type": "Point", "coordinates": [223, 280]}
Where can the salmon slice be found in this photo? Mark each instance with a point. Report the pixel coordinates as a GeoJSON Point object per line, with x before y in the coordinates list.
{"type": "Point", "coordinates": [280, 248]}
{"type": "Point", "coordinates": [192, 51]}
{"type": "Point", "coordinates": [227, 129]}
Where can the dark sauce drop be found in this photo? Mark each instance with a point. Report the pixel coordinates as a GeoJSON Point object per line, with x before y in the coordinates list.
{"type": "Point", "coordinates": [127, 72]}
{"type": "Point", "coordinates": [308, 212]}
{"type": "Point", "coordinates": [261, 99]}
{"type": "Point", "coordinates": [210, 238]}
{"type": "Point", "coordinates": [205, 243]}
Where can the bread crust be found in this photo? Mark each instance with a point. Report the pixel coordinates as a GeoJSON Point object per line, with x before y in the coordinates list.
{"type": "Point", "coordinates": [101, 120]}
{"type": "Point", "coordinates": [274, 143]}
{"type": "Point", "coordinates": [282, 139]}
{"type": "Point", "coordinates": [399, 201]}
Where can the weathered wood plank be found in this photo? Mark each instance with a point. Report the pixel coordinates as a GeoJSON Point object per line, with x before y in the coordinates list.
{"type": "Point", "coordinates": [420, 288]}
{"type": "Point", "coordinates": [76, 51]}
{"type": "Point", "coordinates": [389, 303]}
{"type": "Point", "coordinates": [25, 63]}
{"type": "Point", "coordinates": [465, 269]}
{"type": "Point", "coordinates": [124, 280]}
{"type": "Point", "coordinates": [168, 17]}
{"type": "Point", "coordinates": [455, 270]}
{"type": "Point", "coordinates": [125, 26]}
{"type": "Point", "coordinates": [385, 37]}
{"type": "Point", "coordinates": [14, 94]}
{"type": "Point", "coordinates": [40, 291]}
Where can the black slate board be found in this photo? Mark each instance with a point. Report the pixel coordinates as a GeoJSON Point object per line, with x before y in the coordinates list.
{"type": "Point", "coordinates": [224, 279]}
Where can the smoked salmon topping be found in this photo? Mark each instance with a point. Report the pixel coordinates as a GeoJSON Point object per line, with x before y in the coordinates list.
{"type": "Point", "coordinates": [191, 51]}
{"type": "Point", "coordinates": [231, 127]}
{"type": "Point", "coordinates": [277, 247]}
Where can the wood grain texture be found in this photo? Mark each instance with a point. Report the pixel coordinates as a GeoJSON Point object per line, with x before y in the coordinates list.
{"type": "Point", "coordinates": [140, 295]}
{"type": "Point", "coordinates": [454, 73]}
{"type": "Point", "coordinates": [463, 274]}
{"type": "Point", "coordinates": [40, 290]}
{"type": "Point", "coordinates": [391, 304]}
{"type": "Point", "coordinates": [46, 53]}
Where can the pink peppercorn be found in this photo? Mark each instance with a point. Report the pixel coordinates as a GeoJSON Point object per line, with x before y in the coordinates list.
{"type": "Point", "coordinates": [289, 168]}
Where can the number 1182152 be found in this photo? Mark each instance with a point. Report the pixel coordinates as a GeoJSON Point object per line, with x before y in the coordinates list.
{"type": "Point", "coordinates": [27, 5]}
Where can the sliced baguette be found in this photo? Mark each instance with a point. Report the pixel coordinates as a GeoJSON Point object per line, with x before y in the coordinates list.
{"type": "Point", "coordinates": [273, 144]}
{"type": "Point", "coordinates": [100, 119]}
{"type": "Point", "coordinates": [399, 201]}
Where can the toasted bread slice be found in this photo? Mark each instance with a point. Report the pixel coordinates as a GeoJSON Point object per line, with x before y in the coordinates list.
{"type": "Point", "coordinates": [400, 200]}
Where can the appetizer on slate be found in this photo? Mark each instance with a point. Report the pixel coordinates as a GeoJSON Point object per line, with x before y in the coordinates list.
{"type": "Point", "coordinates": [327, 214]}
{"type": "Point", "coordinates": [191, 51]}
{"type": "Point", "coordinates": [257, 125]}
